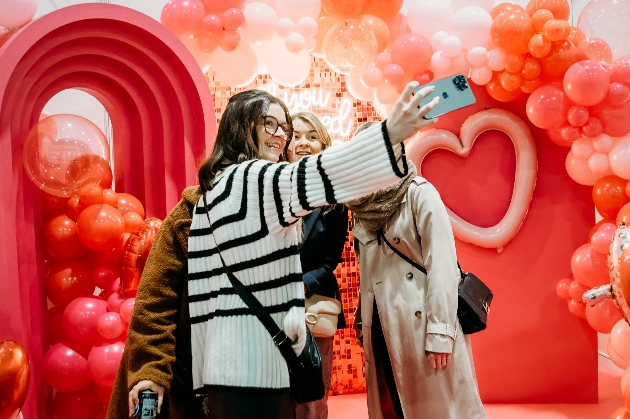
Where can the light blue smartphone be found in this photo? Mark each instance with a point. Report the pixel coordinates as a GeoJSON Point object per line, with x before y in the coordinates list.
{"type": "Point", "coordinates": [454, 92]}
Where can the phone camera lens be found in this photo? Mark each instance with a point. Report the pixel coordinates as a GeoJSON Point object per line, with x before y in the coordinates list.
{"type": "Point", "coordinates": [460, 83]}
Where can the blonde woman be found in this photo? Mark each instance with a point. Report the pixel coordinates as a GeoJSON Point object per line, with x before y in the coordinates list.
{"type": "Point", "coordinates": [323, 234]}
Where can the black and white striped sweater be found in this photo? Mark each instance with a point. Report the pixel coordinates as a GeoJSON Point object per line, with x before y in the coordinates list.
{"type": "Point", "coordinates": [253, 207]}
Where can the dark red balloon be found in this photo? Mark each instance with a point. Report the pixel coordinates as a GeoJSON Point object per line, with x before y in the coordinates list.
{"type": "Point", "coordinates": [61, 240]}
{"type": "Point", "coordinates": [129, 203]}
{"type": "Point", "coordinates": [80, 404]}
{"type": "Point", "coordinates": [100, 227]}
{"type": "Point", "coordinates": [609, 195]}
{"type": "Point", "coordinates": [55, 326]}
{"type": "Point", "coordinates": [52, 205]}
{"type": "Point", "coordinates": [67, 280]}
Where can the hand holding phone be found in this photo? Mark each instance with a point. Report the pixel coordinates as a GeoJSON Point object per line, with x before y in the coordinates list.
{"type": "Point", "coordinates": [454, 93]}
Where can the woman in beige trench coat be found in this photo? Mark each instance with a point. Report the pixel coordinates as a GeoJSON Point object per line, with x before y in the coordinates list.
{"type": "Point", "coordinates": [416, 313]}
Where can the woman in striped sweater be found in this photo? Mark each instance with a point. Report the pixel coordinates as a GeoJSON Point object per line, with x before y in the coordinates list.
{"type": "Point", "coordinates": [253, 205]}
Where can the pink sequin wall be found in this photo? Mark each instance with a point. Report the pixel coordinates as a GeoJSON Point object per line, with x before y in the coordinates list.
{"type": "Point", "coordinates": [324, 93]}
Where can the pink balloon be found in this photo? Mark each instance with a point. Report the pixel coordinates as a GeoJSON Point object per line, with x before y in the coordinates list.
{"type": "Point", "coordinates": [260, 23]}
{"type": "Point", "coordinates": [357, 89]}
{"type": "Point", "coordinates": [602, 143]}
{"type": "Point", "coordinates": [233, 19]}
{"type": "Point", "coordinates": [382, 60]}
{"type": "Point", "coordinates": [386, 94]}
{"type": "Point", "coordinates": [103, 362]}
{"type": "Point", "coordinates": [296, 9]}
{"type": "Point", "coordinates": [603, 315]}
{"type": "Point", "coordinates": [81, 317]}
{"type": "Point", "coordinates": [217, 7]}
{"type": "Point", "coordinates": [114, 301]}
{"type": "Point", "coordinates": [16, 13]}
{"type": "Point", "coordinates": [576, 290]}
{"type": "Point", "coordinates": [562, 288]}
{"type": "Point", "coordinates": [555, 135]}
{"type": "Point", "coordinates": [80, 404]}
{"type": "Point", "coordinates": [371, 77]}
{"type": "Point", "coordinates": [600, 241]}
{"type": "Point", "coordinates": [295, 43]}
{"type": "Point", "coordinates": [608, 228]}
{"type": "Point", "coordinates": [615, 121]}
{"type": "Point", "coordinates": [589, 267]}
{"type": "Point", "coordinates": [112, 288]}
{"type": "Point", "coordinates": [577, 115]}
{"type": "Point", "coordinates": [103, 276]}
{"type": "Point", "coordinates": [618, 94]}
{"type": "Point", "coordinates": [586, 83]}
{"type": "Point", "coordinates": [183, 17]}
{"type": "Point", "coordinates": [126, 310]}
{"type": "Point", "coordinates": [477, 56]}
{"type": "Point", "coordinates": [577, 308]}
{"type": "Point", "coordinates": [65, 366]}
{"type": "Point", "coordinates": [394, 74]}
{"type": "Point", "coordinates": [621, 70]}
{"type": "Point", "coordinates": [547, 107]}
{"type": "Point", "coordinates": [579, 171]}
{"type": "Point", "coordinates": [620, 339]}
{"type": "Point", "coordinates": [229, 40]}
{"type": "Point", "coordinates": [598, 163]}
{"type": "Point", "coordinates": [285, 27]}
{"type": "Point", "coordinates": [307, 26]}
{"type": "Point", "coordinates": [412, 52]}
{"type": "Point", "coordinates": [593, 127]}
{"type": "Point", "coordinates": [110, 325]}
{"type": "Point", "coordinates": [212, 25]}
{"type": "Point", "coordinates": [481, 75]}
{"type": "Point", "coordinates": [525, 177]}
{"type": "Point", "coordinates": [397, 26]}
{"type": "Point", "coordinates": [570, 133]}
{"type": "Point", "coordinates": [620, 158]}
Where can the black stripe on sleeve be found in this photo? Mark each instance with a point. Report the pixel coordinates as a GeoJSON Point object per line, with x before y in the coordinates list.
{"type": "Point", "coordinates": [328, 187]}
{"type": "Point", "coordinates": [390, 152]}
{"type": "Point", "coordinates": [247, 312]}
{"type": "Point", "coordinates": [301, 184]}
{"type": "Point", "coordinates": [277, 197]}
{"type": "Point", "coordinates": [221, 197]}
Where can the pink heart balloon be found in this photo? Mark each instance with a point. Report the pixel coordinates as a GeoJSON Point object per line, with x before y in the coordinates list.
{"type": "Point", "coordinates": [500, 234]}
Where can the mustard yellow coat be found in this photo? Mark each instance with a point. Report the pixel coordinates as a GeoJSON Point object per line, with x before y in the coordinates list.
{"type": "Point", "coordinates": [418, 313]}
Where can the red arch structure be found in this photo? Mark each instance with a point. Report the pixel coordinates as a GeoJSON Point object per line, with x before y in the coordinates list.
{"type": "Point", "coordinates": [163, 122]}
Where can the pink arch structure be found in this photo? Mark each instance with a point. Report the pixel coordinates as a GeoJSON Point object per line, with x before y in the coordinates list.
{"type": "Point", "coordinates": [163, 122]}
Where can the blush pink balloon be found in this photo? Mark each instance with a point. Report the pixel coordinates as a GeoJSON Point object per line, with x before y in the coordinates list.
{"type": "Point", "coordinates": [307, 26]}
{"type": "Point", "coordinates": [371, 77]}
{"type": "Point", "coordinates": [593, 127]}
{"type": "Point", "coordinates": [616, 359]}
{"type": "Point", "coordinates": [295, 43]}
{"type": "Point", "coordinates": [578, 170]}
{"type": "Point", "coordinates": [608, 228]}
{"type": "Point", "coordinates": [81, 317]}
{"type": "Point", "coordinates": [577, 115]}
{"type": "Point", "coordinates": [412, 52]}
{"type": "Point", "coordinates": [620, 339]}
{"type": "Point", "coordinates": [577, 308]}
{"type": "Point", "coordinates": [394, 74]}
{"type": "Point", "coordinates": [603, 315]}
{"type": "Point", "coordinates": [618, 94]}
{"type": "Point", "coordinates": [583, 148]}
{"type": "Point", "coordinates": [65, 366]}
{"type": "Point", "coordinates": [598, 163]}
{"type": "Point", "coordinates": [603, 143]}
{"type": "Point", "coordinates": [16, 13]}
{"type": "Point", "coordinates": [397, 26]}
{"type": "Point", "coordinates": [103, 362]}
{"type": "Point", "coordinates": [382, 60]}
{"type": "Point", "coordinates": [126, 310]}
{"type": "Point", "coordinates": [103, 276]}
{"type": "Point", "coordinates": [589, 267]}
{"type": "Point", "coordinates": [600, 241]}
{"type": "Point", "coordinates": [110, 325]}
{"type": "Point", "coordinates": [232, 19]}
{"type": "Point", "coordinates": [586, 83]}
{"type": "Point", "coordinates": [547, 107]}
{"type": "Point", "coordinates": [525, 179]}
{"type": "Point", "coordinates": [576, 290]}
{"type": "Point", "coordinates": [114, 301]}
{"type": "Point", "coordinates": [212, 25]}
{"type": "Point", "coordinates": [614, 119]}
{"type": "Point", "coordinates": [620, 158]}
{"type": "Point", "coordinates": [229, 40]}
{"type": "Point", "coordinates": [183, 17]}
{"type": "Point", "coordinates": [562, 288]}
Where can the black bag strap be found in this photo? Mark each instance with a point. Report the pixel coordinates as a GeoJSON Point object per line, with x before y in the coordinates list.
{"type": "Point", "coordinates": [380, 235]}
{"type": "Point", "coordinates": [280, 338]}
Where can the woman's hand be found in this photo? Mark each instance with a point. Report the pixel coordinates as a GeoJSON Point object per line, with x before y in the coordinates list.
{"type": "Point", "coordinates": [407, 117]}
{"type": "Point", "coordinates": [438, 360]}
{"type": "Point", "coordinates": [145, 385]}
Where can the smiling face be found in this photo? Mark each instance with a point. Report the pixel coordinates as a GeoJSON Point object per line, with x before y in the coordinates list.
{"type": "Point", "coordinates": [270, 146]}
{"type": "Point", "coordinates": [305, 141]}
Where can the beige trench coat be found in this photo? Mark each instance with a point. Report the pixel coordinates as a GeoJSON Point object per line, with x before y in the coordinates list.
{"type": "Point", "coordinates": [418, 312]}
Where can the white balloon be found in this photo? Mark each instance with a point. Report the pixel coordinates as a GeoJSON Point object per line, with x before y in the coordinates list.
{"type": "Point", "coordinates": [460, 64]}
{"type": "Point", "coordinates": [286, 68]}
{"type": "Point", "coordinates": [608, 20]}
{"type": "Point", "coordinates": [260, 23]}
{"type": "Point", "coordinates": [481, 75]}
{"type": "Point", "coordinates": [436, 40]}
{"type": "Point", "coordinates": [426, 17]}
{"type": "Point", "coordinates": [484, 4]}
{"type": "Point", "coordinates": [619, 158]}
{"type": "Point", "coordinates": [295, 43]}
{"type": "Point", "coordinates": [496, 59]}
{"type": "Point", "coordinates": [382, 110]}
{"type": "Point", "coordinates": [357, 89]}
{"type": "Point", "coordinates": [440, 62]}
{"type": "Point", "coordinates": [236, 68]}
{"type": "Point", "coordinates": [261, 54]}
{"type": "Point", "coordinates": [296, 9]}
{"type": "Point", "coordinates": [477, 56]}
{"type": "Point", "coordinates": [472, 25]}
{"type": "Point", "coordinates": [16, 13]}
{"type": "Point", "coordinates": [307, 26]}
{"type": "Point", "coordinates": [451, 46]}
{"type": "Point", "coordinates": [285, 27]}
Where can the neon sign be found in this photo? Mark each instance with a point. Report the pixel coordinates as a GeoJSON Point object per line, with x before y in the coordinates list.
{"type": "Point", "coordinates": [334, 113]}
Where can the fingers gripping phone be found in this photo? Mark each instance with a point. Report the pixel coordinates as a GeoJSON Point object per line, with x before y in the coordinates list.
{"type": "Point", "coordinates": [454, 93]}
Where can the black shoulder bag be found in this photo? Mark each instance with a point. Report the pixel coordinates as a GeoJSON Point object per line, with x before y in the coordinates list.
{"type": "Point", "coordinates": [473, 296]}
{"type": "Point", "coordinates": [305, 371]}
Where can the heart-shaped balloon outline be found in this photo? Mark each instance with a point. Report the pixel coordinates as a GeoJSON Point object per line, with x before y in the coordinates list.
{"type": "Point", "coordinates": [521, 136]}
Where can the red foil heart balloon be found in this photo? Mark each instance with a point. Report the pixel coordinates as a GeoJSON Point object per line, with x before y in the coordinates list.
{"type": "Point", "coordinates": [136, 253]}
{"type": "Point", "coordinates": [14, 378]}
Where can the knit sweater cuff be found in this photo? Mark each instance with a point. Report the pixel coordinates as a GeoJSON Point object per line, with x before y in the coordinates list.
{"type": "Point", "coordinates": [393, 158]}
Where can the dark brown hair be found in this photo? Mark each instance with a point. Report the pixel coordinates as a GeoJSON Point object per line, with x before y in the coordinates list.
{"type": "Point", "coordinates": [236, 138]}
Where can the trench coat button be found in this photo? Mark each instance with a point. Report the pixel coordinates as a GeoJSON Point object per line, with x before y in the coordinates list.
{"type": "Point", "coordinates": [418, 314]}
{"type": "Point", "coordinates": [409, 276]}
{"type": "Point", "coordinates": [396, 240]}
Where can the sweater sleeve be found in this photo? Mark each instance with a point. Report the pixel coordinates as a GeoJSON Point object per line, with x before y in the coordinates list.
{"type": "Point", "coordinates": [440, 260]}
{"type": "Point", "coordinates": [151, 340]}
{"type": "Point", "coordinates": [357, 168]}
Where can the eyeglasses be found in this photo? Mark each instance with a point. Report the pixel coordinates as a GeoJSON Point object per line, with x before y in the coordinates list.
{"type": "Point", "coordinates": [271, 126]}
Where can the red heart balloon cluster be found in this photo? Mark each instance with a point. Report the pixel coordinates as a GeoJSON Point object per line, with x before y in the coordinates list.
{"type": "Point", "coordinates": [14, 378]}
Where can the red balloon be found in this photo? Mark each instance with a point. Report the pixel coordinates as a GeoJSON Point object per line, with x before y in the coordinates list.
{"type": "Point", "coordinates": [614, 119]}
{"type": "Point", "coordinates": [80, 319]}
{"type": "Point", "coordinates": [623, 216]}
{"type": "Point", "coordinates": [577, 115]}
{"type": "Point", "coordinates": [110, 325]}
{"type": "Point", "coordinates": [603, 315]}
{"type": "Point", "coordinates": [103, 275]}
{"type": "Point", "coordinates": [228, 40]}
{"type": "Point", "coordinates": [110, 197]}
{"type": "Point", "coordinates": [217, 7]}
{"type": "Point", "coordinates": [555, 135]}
{"type": "Point", "coordinates": [129, 203]}
{"type": "Point", "coordinates": [104, 361]}
{"type": "Point", "coordinates": [576, 35]}
{"type": "Point", "coordinates": [621, 70]}
{"type": "Point", "coordinates": [609, 195]}
{"type": "Point", "coordinates": [104, 394]}
{"type": "Point", "coordinates": [563, 54]}
{"type": "Point", "coordinates": [52, 205]}
{"type": "Point", "coordinates": [113, 288]}
{"type": "Point", "coordinates": [570, 133]}
{"type": "Point", "coordinates": [589, 267]}
{"type": "Point", "coordinates": [577, 308]}
{"type": "Point", "coordinates": [61, 240]}
{"type": "Point", "coordinates": [576, 290]}
{"type": "Point", "coordinates": [111, 257]}
{"type": "Point", "coordinates": [55, 326]}
{"type": "Point", "coordinates": [126, 309]}
{"type": "Point", "coordinates": [596, 227]}
{"type": "Point", "coordinates": [183, 17]}
{"type": "Point", "coordinates": [65, 366]}
{"type": "Point", "coordinates": [80, 404]}
{"type": "Point", "coordinates": [14, 378]}
{"type": "Point", "coordinates": [511, 32]}
{"type": "Point", "coordinates": [74, 208]}
{"type": "Point", "coordinates": [562, 288]}
{"type": "Point", "coordinates": [100, 227]}
{"type": "Point", "coordinates": [412, 52]}
{"type": "Point", "coordinates": [547, 107]}
{"type": "Point", "coordinates": [90, 194]}
{"type": "Point", "coordinates": [586, 83]}
{"type": "Point", "coordinates": [67, 280]}
{"type": "Point", "coordinates": [383, 9]}
{"type": "Point", "coordinates": [559, 8]}
{"type": "Point", "coordinates": [618, 94]}
{"type": "Point", "coordinates": [497, 92]}
{"type": "Point", "coordinates": [136, 253]}
{"type": "Point", "coordinates": [132, 221]}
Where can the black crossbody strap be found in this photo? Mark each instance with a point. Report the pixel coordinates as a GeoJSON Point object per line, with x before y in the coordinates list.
{"type": "Point", "coordinates": [280, 338]}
